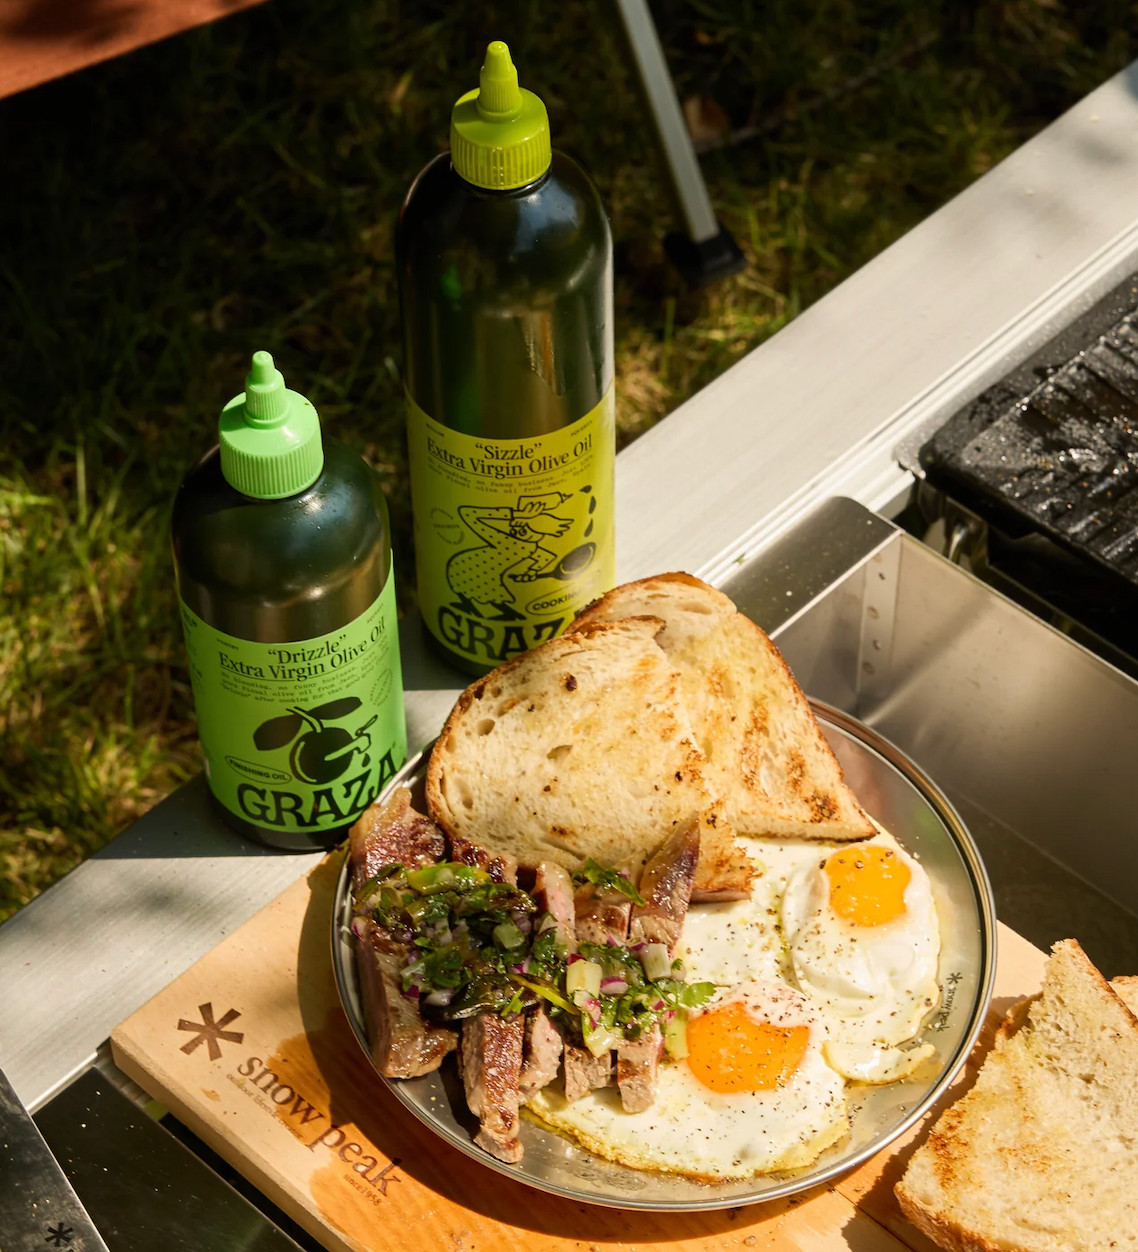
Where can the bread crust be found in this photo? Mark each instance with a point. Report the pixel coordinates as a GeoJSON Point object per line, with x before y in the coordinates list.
{"type": "Point", "coordinates": [1126, 988]}
{"type": "Point", "coordinates": [600, 609]}
{"type": "Point", "coordinates": [943, 1233]}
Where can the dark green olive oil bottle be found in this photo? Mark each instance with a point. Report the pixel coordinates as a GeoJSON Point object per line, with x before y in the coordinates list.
{"type": "Point", "coordinates": [504, 257]}
{"type": "Point", "coordinates": [282, 555]}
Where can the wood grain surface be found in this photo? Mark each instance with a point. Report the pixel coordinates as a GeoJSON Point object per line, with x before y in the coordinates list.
{"type": "Point", "coordinates": [252, 1050]}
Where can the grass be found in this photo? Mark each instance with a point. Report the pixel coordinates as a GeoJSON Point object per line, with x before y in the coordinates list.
{"type": "Point", "coordinates": [235, 188]}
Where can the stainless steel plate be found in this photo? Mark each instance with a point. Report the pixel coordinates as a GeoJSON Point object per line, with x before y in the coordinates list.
{"type": "Point", "coordinates": [893, 790]}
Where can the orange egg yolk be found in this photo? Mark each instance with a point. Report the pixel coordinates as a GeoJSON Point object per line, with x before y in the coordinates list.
{"type": "Point", "coordinates": [729, 1051]}
{"type": "Point", "coordinates": [867, 884]}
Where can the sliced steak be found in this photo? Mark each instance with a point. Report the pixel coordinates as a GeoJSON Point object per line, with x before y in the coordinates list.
{"type": "Point", "coordinates": [500, 868]}
{"type": "Point", "coordinates": [541, 1057]}
{"type": "Point", "coordinates": [665, 887]}
{"type": "Point", "coordinates": [490, 1057]}
{"type": "Point", "coordinates": [585, 1072]}
{"type": "Point", "coordinates": [393, 834]}
{"type": "Point", "coordinates": [403, 1045]}
{"type": "Point", "coordinates": [553, 894]}
{"type": "Point", "coordinates": [600, 915]}
{"type": "Point", "coordinates": [636, 1063]}
{"type": "Point", "coordinates": [492, 1048]}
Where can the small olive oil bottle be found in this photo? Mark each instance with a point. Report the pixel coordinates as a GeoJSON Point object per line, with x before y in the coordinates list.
{"type": "Point", "coordinates": [504, 257]}
{"type": "Point", "coordinates": [282, 554]}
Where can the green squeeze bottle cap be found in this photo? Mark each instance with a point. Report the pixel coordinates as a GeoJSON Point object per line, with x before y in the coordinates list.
{"type": "Point", "coordinates": [499, 133]}
{"type": "Point", "coordinates": [269, 437]}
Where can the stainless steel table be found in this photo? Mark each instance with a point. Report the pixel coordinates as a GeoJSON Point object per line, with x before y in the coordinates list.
{"type": "Point", "coordinates": [819, 411]}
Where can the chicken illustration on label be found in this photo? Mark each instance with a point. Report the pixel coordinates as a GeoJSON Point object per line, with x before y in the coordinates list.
{"type": "Point", "coordinates": [518, 546]}
{"type": "Point", "coordinates": [512, 536]}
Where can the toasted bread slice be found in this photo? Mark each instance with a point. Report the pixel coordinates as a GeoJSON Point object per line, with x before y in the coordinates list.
{"type": "Point", "coordinates": [768, 761]}
{"type": "Point", "coordinates": [579, 748]}
{"type": "Point", "coordinates": [1042, 1154]}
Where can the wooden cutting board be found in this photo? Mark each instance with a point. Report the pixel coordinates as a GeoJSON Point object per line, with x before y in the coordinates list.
{"type": "Point", "coordinates": [251, 1049]}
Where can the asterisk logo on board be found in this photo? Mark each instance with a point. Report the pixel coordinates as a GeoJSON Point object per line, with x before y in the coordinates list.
{"type": "Point", "coordinates": [211, 1031]}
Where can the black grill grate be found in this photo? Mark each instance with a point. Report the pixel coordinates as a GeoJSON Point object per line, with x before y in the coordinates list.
{"type": "Point", "coordinates": [1055, 452]}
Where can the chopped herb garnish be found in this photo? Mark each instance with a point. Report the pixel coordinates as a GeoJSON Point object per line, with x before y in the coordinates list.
{"type": "Point", "coordinates": [482, 946]}
{"type": "Point", "coordinates": [607, 879]}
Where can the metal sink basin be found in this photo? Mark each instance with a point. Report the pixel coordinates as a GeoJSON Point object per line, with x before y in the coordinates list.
{"type": "Point", "coordinates": [1032, 737]}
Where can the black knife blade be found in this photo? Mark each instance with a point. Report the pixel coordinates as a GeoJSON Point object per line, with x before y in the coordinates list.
{"type": "Point", "coordinates": [38, 1206]}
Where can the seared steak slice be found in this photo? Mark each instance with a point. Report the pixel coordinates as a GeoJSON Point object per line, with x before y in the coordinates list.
{"type": "Point", "coordinates": [500, 868]}
{"type": "Point", "coordinates": [541, 1057]}
{"type": "Point", "coordinates": [402, 1044]}
{"type": "Point", "coordinates": [636, 1064]}
{"type": "Point", "coordinates": [665, 887]}
{"type": "Point", "coordinates": [491, 1049]}
{"type": "Point", "coordinates": [553, 893]}
{"type": "Point", "coordinates": [393, 834]}
{"type": "Point", "coordinates": [636, 1061]}
{"type": "Point", "coordinates": [490, 1057]}
{"type": "Point", "coordinates": [600, 915]}
{"type": "Point", "coordinates": [585, 1072]}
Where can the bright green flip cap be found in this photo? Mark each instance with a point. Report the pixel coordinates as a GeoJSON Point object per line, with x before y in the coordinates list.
{"type": "Point", "coordinates": [269, 437]}
{"type": "Point", "coordinates": [499, 133]}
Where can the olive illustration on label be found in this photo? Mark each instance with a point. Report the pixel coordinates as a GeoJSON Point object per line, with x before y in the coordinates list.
{"type": "Point", "coordinates": [572, 563]}
{"type": "Point", "coordinates": [319, 753]}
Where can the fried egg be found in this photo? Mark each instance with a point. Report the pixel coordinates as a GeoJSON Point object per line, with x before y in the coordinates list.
{"type": "Point", "coordinates": [863, 942]}
{"type": "Point", "coordinates": [754, 1094]}
{"type": "Point", "coordinates": [735, 941]}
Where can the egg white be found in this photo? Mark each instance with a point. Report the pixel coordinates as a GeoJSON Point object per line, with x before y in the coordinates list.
{"type": "Point", "coordinates": [874, 985]}
{"type": "Point", "coordinates": [735, 941]}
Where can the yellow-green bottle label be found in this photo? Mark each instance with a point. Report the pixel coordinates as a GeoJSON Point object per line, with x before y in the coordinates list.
{"type": "Point", "coordinates": [513, 537]}
{"type": "Point", "coordinates": [300, 736]}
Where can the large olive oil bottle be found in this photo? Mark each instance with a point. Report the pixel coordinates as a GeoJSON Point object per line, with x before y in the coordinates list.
{"type": "Point", "coordinates": [505, 281]}
{"type": "Point", "coordinates": [282, 554]}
